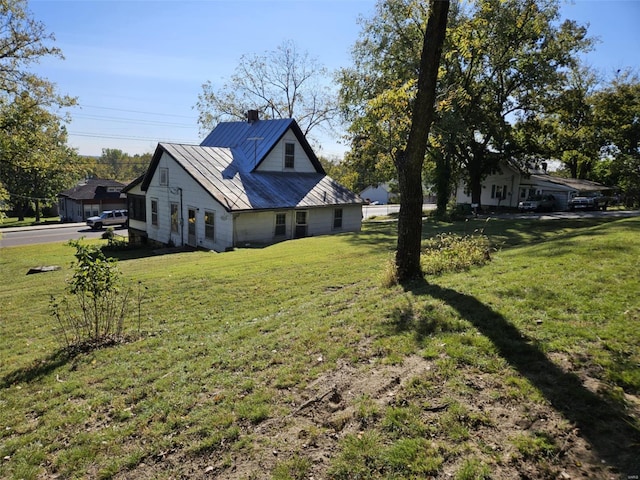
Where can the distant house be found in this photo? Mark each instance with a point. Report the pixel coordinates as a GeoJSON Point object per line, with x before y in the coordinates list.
{"type": "Point", "coordinates": [254, 182]}
{"type": "Point", "coordinates": [89, 198]}
{"type": "Point", "coordinates": [380, 194]}
{"type": "Point", "coordinates": [510, 186]}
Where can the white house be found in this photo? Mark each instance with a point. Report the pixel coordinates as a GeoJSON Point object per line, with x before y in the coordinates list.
{"type": "Point", "coordinates": [254, 182]}
{"type": "Point", "coordinates": [511, 186]}
{"type": "Point", "coordinates": [380, 194]}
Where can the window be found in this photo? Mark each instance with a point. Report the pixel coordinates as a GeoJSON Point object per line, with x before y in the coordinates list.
{"type": "Point", "coordinates": [154, 212]}
{"type": "Point", "coordinates": [301, 224]}
{"type": "Point", "coordinates": [136, 205]}
{"type": "Point", "coordinates": [499, 191]}
{"type": "Point", "coordinates": [164, 176]}
{"type": "Point", "coordinates": [209, 230]}
{"type": "Point", "coordinates": [337, 218]}
{"type": "Point", "coordinates": [174, 218]}
{"type": "Point", "coordinates": [289, 155]}
{"type": "Point", "coordinates": [281, 224]}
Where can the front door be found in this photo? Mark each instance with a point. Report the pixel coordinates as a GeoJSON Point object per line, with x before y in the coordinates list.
{"type": "Point", "coordinates": [191, 232]}
{"type": "Point", "coordinates": [301, 225]}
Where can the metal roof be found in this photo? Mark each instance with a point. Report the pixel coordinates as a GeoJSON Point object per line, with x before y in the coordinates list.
{"type": "Point", "coordinates": [220, 171]}
{"type": "Point", "coordinates": [572, 183]}
{"type": "Point", "coordinates": [94, 188]}
{"type": "Point", "coordinates": [252, 141]}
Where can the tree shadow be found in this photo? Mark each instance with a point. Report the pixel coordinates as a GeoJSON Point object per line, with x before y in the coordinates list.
{"type": "Point", "coordinates": [38, 369]}
{"type": "Point", "coordinates": [604, 424]}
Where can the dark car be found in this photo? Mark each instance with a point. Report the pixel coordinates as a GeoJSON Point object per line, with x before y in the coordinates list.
{"type": "Point", "coordinates": [538, 203]}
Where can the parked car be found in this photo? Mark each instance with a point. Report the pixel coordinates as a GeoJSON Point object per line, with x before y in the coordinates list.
{"type": "Point", "coordinates": [538, 203]}
{"type": "Point", "coordinates": [589, 202]}
{"type": "Point", "coordinates": [109, 218]}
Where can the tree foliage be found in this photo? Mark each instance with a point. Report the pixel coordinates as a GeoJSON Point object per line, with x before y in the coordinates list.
{"type": "Point", "coordinates": [617, 118]}
{"type": "Point", "coordinates": [114, 164]}
{"type": "Point", "coordinates": [501, 58]}
{"type": "Point", "coordinates": [35, 162]}
{"type": "Point", "coordinates": [283, 83]}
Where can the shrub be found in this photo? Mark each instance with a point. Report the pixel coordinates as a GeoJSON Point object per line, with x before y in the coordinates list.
{"type": "Point", "coordinates": [449, 252]}
{"type": "Point", "coordinates": [94, 309]}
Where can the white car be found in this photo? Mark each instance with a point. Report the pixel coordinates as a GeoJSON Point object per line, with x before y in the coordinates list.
{"type": "Point", "coordinates": [109, 218]}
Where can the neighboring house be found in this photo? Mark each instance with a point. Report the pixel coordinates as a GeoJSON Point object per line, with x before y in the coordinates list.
{"type": "Point", "coordinates": [510, 186]}
{"type": "Point", "coordinates": [90, 198]}
{"type": "Point", "coordinates": [254, 182]}
{"type": "Point", "coordinates": [380, 194]}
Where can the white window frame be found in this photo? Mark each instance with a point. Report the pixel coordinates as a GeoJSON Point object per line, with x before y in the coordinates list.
{"type": "Point", "coordinates": [289, 158]}
{"type": "Point", "coordinates": [154, 212]}
{"type": "Point", "coordinates": [210, 227]}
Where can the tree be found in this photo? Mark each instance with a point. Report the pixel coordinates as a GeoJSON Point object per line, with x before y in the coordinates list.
{"type": "Point", "coordinates": [283, 83]}
{"type": "Point", "coordinates": [409, 164]}
{"type": "Point", "coordinates": [24, 41]}
{"type": "Point", "coordinates": [500, 59]}
{"type": "Point", "coordinates": [117, 165]}
{"type": "Point", "coordinates": [617, 118]}
{"type": "Point", "coordinates": [35, 163]}
{"type": "Point", "coordinates": [34, 160]}
{"type": "Point", "coordinates": [508, 56]}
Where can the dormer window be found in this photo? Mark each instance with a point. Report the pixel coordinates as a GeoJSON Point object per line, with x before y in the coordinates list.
{"type": "Point", "coordinates": [289, 155]}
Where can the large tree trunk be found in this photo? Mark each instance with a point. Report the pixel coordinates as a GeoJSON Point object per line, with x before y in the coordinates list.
{"type": "Point", "coordinates": [409, 164]}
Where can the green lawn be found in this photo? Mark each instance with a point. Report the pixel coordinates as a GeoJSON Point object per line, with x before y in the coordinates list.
{"type": "Point", "coordinates": [293, 361]}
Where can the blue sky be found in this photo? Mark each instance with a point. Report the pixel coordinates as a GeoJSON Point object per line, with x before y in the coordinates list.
{"type": "Point", "coordinates": [137, 67]}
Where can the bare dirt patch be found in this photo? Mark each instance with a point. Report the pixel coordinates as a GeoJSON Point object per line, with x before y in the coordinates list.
{"type": "Point", "coordinates": [330, 408]}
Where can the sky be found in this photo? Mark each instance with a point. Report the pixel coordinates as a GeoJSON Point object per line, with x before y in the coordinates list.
{"type": "Point", "coordinates": [138, 66]}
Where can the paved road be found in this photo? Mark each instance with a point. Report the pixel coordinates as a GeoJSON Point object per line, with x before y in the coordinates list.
{"type": "Point", "coordinates": [12, 237]}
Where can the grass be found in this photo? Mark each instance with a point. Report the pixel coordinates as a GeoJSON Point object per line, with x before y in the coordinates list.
{"type": "Point", "coordinates": [232, 343]}
{"type": "Point", "coordinates": [11, 222]}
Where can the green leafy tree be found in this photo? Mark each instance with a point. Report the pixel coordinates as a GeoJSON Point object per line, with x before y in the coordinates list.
{"type": "Point", "coordinates": [284, 83]}
{"type": "Point", "coordinates": [617, 117]}
{"type": "Point", "coordinates": [114, 164]}
{"type": "Point", "coordinates": [501, 57]}
{"type": "Point", "coordinates": [35, 162]}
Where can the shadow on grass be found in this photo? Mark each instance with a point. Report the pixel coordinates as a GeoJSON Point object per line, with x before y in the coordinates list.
{"type": "Point", "coordinates": [39, 369]}
{"type": "Point", "coordinates": [602, 423]}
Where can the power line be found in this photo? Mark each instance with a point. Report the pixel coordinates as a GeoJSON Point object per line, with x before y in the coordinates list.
{"type": "Point", "coordinates": [139, 111]}
{"type": "Point", "coordinates": [126, 137]}
{"type": "Point", "coordinates": [133, 120]}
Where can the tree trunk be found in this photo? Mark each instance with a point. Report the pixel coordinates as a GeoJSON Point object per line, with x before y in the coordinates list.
{"type": "Point", "coordinates": [443, 183]}
{"type": "Point", "coordinates": [409, 164]}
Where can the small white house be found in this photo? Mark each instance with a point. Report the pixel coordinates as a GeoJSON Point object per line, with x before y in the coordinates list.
{"type": "Point", "coordinates": [510, 186]}
{"type": "Point", "coordinates": [378, 194]}
{"type": "Point", "coordinates": [254, 182]}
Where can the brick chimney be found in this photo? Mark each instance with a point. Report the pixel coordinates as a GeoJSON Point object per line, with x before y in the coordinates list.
{"type": "Point", "coordinates": [252, 116]}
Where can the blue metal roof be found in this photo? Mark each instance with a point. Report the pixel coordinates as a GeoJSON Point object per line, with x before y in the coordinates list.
{"type": "Point", "coordinates": [251, 142]}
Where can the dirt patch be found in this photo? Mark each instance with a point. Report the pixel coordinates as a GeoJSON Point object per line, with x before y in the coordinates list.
{"type": "Point", "coordinates": [329, 408]}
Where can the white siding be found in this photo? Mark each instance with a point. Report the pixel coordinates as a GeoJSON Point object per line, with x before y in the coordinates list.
{"type": "Point", "coordinates": [508, 179]}
{"type": "Point", "coordinates": [274, 162]}
{"type": "Point", "coordinates": [183, 190]}
{"type": "Point", "coordinates": [259, 227]}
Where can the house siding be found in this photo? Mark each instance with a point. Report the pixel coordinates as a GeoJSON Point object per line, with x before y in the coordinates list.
{"type": "Point", "coordinates": [184, 191]}
{"type": "Point", "coordinates": [259, 227]}
{"type": "Point", "coordinates": [508, 178]}
{"type": "Point", "coordinates": [274, 162]}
